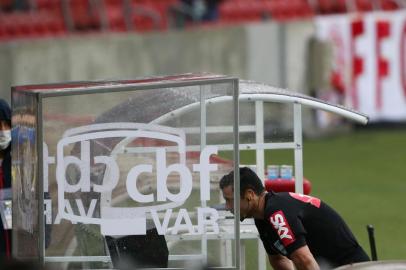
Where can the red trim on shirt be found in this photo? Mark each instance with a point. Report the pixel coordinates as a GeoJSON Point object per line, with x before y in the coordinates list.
{"type": "Point", "coordinates": [306, 199]}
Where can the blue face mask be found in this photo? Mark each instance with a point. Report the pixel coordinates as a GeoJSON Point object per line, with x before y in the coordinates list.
{"type": "Point", "coordinates": [5, 139]}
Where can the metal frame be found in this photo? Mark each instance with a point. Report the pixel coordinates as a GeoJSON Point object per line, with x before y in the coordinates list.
{"type": "Point", "coordinates": [259, 98]}
{"type": "Point", "coordinates": [111, 87]}
{"type": "Point", "coordinates": [41, 94]}
{"type": "Point", "coordinates": [203, 124]}
{"type": "Point", "coordinates": [41, 219]}
{"type": "Point", "coordinates": [297, 140]}
{"type": "Point", "coordinates": [236, 175]}
{"type": "Point", "coordinates": [259, 145]}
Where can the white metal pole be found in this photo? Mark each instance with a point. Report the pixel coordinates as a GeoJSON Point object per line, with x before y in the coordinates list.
{"type": "Point", "coordinates": [236, 175]}
{"type": "Point", "coordinates": [242, 255]}
{"type": "Point", "coordinates": [297, 131]}
{"type": "Point", "coordinates": [260, 155]}
{"type": "Point", "coordinates": [261, 255]}
{"type": "Point", "coordinates": [259, 137]}
{"type": "Point", "coordinates": [203, 124]}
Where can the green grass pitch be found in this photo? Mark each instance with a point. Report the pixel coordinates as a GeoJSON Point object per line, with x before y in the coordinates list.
{"type": "Point", "coordinates": [363, 176]}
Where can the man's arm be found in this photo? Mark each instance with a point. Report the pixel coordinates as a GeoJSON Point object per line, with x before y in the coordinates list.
{"type": "Point", "coordinates": [303, 259]}
{"type": "Point", "coordinates": [279, 262]}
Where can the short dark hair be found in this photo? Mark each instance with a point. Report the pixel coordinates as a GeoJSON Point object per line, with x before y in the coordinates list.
{"type": "Point", "coordinates": [248, 180]}
{"type": "Point", "coordinates": [5, 111]}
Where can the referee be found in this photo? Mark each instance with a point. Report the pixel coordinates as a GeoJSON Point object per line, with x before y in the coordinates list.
{"type": "Point", "coordinates": [297, 231]}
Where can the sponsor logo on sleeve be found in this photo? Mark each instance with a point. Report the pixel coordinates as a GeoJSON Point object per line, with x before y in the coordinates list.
{"type": "Point", "coordinates": [281, 226]}
{"type": "Point", "coordinates": [306, 199]}
{"type": "Point", "coordinates": [280, 248]}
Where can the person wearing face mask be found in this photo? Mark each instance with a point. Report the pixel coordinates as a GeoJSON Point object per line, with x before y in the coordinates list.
{"type": "Point", "coordinates": [5, 172]}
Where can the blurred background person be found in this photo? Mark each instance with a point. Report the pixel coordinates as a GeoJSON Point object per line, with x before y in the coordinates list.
{"type": "Point", "coordinates": [212, 10]}
{"type": "Point", "coordinates": [14, 5]}
{"type": "Point", "coordinates": [187, 12]}
{"type": "Point", "coordinates": [5, 173]}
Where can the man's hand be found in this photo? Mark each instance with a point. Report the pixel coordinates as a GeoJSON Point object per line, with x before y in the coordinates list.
{"type": "Point", "coordinates": [303, 259]}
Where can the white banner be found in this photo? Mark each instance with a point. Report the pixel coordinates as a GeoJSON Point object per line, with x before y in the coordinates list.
{"type": "Point", "coordinates": [369, 60]}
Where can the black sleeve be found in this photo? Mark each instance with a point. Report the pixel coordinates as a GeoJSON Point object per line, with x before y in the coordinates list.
{"type": "Point", "coordinates": [290, 230]}
{"type": "Point", "coordinates": [267, 245]}
{"type": "Point", "coordinates": [265, 237]}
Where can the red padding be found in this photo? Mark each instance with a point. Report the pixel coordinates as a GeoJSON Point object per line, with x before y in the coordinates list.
{"type": "Point", "coordinates": [280, 185]}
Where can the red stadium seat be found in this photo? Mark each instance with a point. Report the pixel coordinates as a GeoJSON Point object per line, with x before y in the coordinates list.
{"type": "Point", "coordinates": [14, 26]}
{"type": "Point", "coordinates": [114, 12]}
{"type": "Point", "coordinates": [48, 4]}
{"type": "Point", "coordinates": [116, 19]}
{"type": "Point", "coordinates": [389, 5]}
{"type": "Point", "coordinates": [364, 5]}
{"type": "Point", "coordinates": [242, 10]}
{"type": "Point", "coordinates": [341, 6]}
{"type": "Point", "coordinates": [294, 9]}
{"type": "Point", "coordinates": [6, 5]}
{"type": "Point", "coordinates": [325, 6]}
{"type": "Point", "coordinates": [30, 24]}
{"type": "Point", "coordinates": [149, 15]}
{"type": "Point", "coordinates": [84, 15]}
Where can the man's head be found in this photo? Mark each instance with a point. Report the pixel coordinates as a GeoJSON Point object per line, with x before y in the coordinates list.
{"type": "Point", "coordinates": [251, 188]}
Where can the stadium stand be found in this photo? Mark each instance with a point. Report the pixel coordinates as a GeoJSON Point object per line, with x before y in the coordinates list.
{"type": "Point", "coordinates": [45, 18]}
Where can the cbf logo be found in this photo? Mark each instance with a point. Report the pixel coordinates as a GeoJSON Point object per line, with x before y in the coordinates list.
{"type": "Point", "coordinates": [126, 220]}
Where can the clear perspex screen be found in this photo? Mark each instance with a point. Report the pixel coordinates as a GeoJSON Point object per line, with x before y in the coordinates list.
{"type": "Point", "coordinates": [130, 173]}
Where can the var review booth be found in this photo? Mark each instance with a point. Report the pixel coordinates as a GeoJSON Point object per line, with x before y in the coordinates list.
{"type": "Point", "coordinates": [127, 172]}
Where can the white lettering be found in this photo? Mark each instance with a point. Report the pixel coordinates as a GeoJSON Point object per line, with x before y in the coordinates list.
{"type": "Point", "coordinates": [83, 166]}
{"type": "Point", "coordinates": [73, 173]}
{"type": "Point", "coordinates": [81, 208]}
{"type": "Point", "coordinates": [161, 228]}
{"type": "Point", "coordinates": [278, 223]}
{"type": "Point", "coordinates": [205, 168]}
{"type": "Point", "coordinates": [47, 160]}
{"type": "Point", "coordinates": [207, 217]}
{"type": "Point", "coordinates": [48, 211]}
{"type": "Point", "coordinates": [69, 210]}
{"type": "Point", "coordinates": [183, 215]}
{"type": "Point", "coordinates": [112, 174]}
{"type": "Point", "coordinates": [185, 178]}
{"type": "Point", "coordinates": [132, 183]}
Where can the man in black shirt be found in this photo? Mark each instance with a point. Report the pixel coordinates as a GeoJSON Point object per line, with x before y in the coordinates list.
{"type": "Point", "coordinates": [296, 230]}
